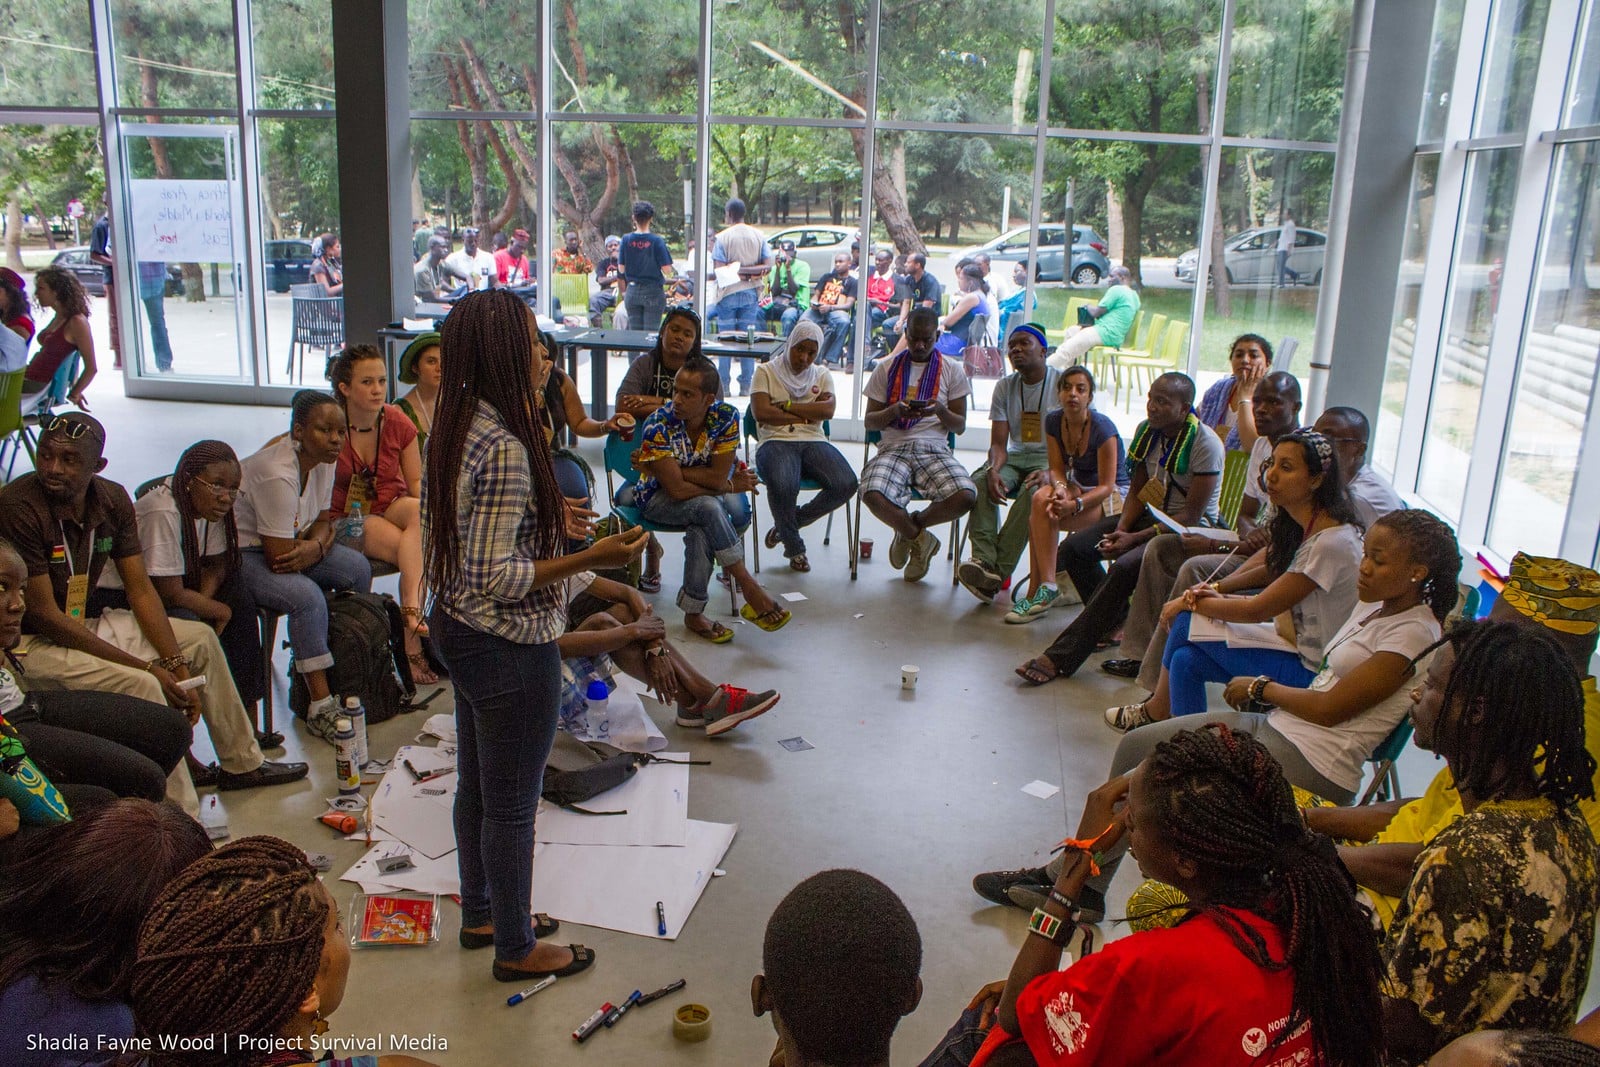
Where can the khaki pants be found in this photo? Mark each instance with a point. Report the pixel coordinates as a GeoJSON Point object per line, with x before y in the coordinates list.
{"type": "Point", "coordinates": [232, 733]}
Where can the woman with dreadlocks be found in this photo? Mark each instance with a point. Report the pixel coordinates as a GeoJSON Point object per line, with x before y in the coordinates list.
{"type": "Point", "coordinates": [244, 946]}
{"type": "Point", "coordinates": [494, 536]}
{"type": "Point", "coordinates": [1274, 961]}
{"type": "Point", "coordinates": [1496, 929]}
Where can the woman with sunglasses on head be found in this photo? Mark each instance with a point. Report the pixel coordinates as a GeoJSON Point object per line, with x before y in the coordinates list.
{"type": "Point", "coordinates": [67, 332]}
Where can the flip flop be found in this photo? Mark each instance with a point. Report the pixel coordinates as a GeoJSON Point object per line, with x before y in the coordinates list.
{"type": "Point", "coordinates": [799, 563]}
{"type": "Point", "coordinates": [582, 960]}
{"type": "Point", "coordinates": [649, 583]}
{"type": "Point", "coordinates": [717, 635]}
{"type": "Point", "coordinates": [771, 540]}
{"type": "Point", "coordinates": [1034, 675]}
{"type": "Point", "coordinates": [770, 621]}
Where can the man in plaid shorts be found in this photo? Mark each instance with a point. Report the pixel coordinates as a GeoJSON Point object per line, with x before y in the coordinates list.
{"type": "Point", "coordinates": [916, 400]}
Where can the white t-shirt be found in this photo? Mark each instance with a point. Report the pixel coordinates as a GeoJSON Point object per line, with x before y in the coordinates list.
{"type": "Point", "coordinates": [161, 537]}
{"type": "Point", "coordinates": [766, 381]}
{"type": "Point", "coordinates": [953, 385]}
{"type": "Point", "coordinates": [744, 245]}
{"type": "Point", "coordinates": [1371, 496]}
{"type": "Point", "coordinates": [480, 268]}
{"type": "Point", "coordinates": [1337, 752]}
{"type": "Point", "coordinates": [1013, 398]}
{"type": "Point", "coordinates": [1260, 455]}
{"type": "Point", "coordinates": [272, 502]}
{"type": "Point", "coordinates": [1287, 235]}
{"type": "Point", "coordinates": [1330, 559]}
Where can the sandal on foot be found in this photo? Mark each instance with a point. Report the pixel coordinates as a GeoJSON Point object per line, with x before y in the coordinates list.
{"type": "Point", "coordinates": [415, 622]}
{"type": "Point", "coordinates": [649, 583]}
{"type": "Point", "coordinates": [771, 540]}
{"type": "Point", "coordinates": [1038, 671]}
{"type": "Point", "coordinates": [771, 621]}
{"type": "Point", "coordinates": [543, 927]}
{"type": "Point", "coordinates": [421, 669]}
{"type": "Point", "coordinates": [717, 633]}
{"type": "Point", "coordinates": [798, 562]}
{"type": "Point", "coordinates": [582, 960]}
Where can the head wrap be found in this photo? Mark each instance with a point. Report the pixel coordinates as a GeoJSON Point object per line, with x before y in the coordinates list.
{"type": "Point", "coordinates": [797, 383]}
{"type": "Point", "coordinates": [1554, 593]}
{"type": "Point", "coordinates": [1035, 330]}
{"type": "Point", "coordinates": [407, 369]}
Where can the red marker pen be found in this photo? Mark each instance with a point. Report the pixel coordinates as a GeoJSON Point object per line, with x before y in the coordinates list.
{"type": "Point", "coordinates": [592, 1023]}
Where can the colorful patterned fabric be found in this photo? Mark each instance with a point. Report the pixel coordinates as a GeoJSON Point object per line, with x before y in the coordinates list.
{"type": "Point", "coordinates": [1554, 593]}
{"type": "Point", "coordinates": [1176, 458]}
{"type": "Point", "coordinates": [925, 386]}
{"type": "Point", "coordinates": [664, 436]}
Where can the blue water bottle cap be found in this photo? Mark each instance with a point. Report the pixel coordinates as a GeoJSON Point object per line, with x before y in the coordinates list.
{"type": "Point", "coordinates": [597, 690]}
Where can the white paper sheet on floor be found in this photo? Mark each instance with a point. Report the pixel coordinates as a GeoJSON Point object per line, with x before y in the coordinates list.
{"type": "Point", "coordinates": [626, 725]}
{"type": "Point", "coordinates": [656, 800]}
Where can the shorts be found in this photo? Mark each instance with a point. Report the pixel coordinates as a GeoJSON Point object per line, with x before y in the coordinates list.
{"type": "Point", "coordinates": [926, 467]}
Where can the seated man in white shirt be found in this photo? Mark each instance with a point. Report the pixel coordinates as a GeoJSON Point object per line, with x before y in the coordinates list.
{"type": "Point", "coordinates": [1370, 495]}
{"type": "Point", "coordinates": [472, 266]}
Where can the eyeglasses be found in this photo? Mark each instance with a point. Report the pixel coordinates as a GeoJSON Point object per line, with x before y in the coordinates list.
{"type": "Point", "coordinates": [72, 428]}
{"type": "Point", "coordinates": [227, 491]}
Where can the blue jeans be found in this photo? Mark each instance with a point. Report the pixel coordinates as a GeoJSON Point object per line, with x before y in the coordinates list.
{"type": "Point", "coordinates": [508, 700]}
{"type": "Point", "coordinates": [301, 597]}
{"type": "Point", "coordinates": [574, 486]}
{"type": "Point", "coordinates": [711, 527]}
{"type": "Point", "coordinates": [155, 309]}
{"type": "Point", "coordinates": [835, 328]}
{"type": "Point", "coordinates": [737, 312]}
{"type": "Point", "coordinates": [1191, 664]}
{"type": "Point", "coordinates": [646, 303]}
{"type": "Point", "coordinates": [782, 466]}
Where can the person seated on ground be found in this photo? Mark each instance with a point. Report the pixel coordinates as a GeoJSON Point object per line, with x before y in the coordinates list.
{"type": "Point", "coordinates": [1370, 495]}
{"type": "Point", "coordinates": [833, 301]}
{"type": "Point", "coordinates": [1024, 401]}
{"type": "Point", "coordinates": [511, 265]}
{"type": "Point", "coordinates": [688, 480]}
{"type": "Point", "coordinates": [253, 907]}
{"type": "Point", "coordinates": [1320, 734]}
{"type": "Point", "coordinates": [380, 469]}
{"type": "Point", "coordinates": [1011, 309]}
{"type": "Point", "coordinates": [792, 397]}
{"type": "Point", "coordinates": [916, 289]}
{"type": "Point", "coordinates": [1176, 466]}
{"type": "Point", "coordinates": [1113, 317]}
{"type": "Point", "coordinates": [1496, 928]}
{"type": "Point", "coordinates": [1174, 562]}
{"type": "Point", "coordinates": [328, 266]}
{"type": "Point", "coordinates": [1085, 481]}
{"type": "Point", "coordinates": [71, 901]}
{"type": "Point", "coordinates": [1516, 1048]}
{"type": "Point", "coordinates": [1307, 588]}
{"type": "Point", "coordinates": [606, 618]}
{"type": "Point", "coordinates": [1273, 944]}
{"type": "Point", "coordinates": [680, 293]}
{"type": "Point", "coordinates": [1225, 407]}
{"type": "Point", "coordinates": [289, 556]}
{"type": "Point", "coordinates": [67, 332]}
{"type": "Point", "coordinates": [1561, 598]}
{"type": "Point", "coordinates": [841, 962]}
{"type": "Point", "coordinates": [67, 523]}
{"type": "Point", "coordinates": [191, 552]}
{"type": "Point", "coordinates": [432, 284]}
{"type": "Point", "coordinates": [419, 368]}
{"type": "Point", "coordinates": [99, 741]}
{"type": "Point", "coordinates": [606, 277]}
{"type": "Point", "coordinates": [788, 288]}
{"type": "Point", "coordinates": [15, 313]}
{"type": "Point", "coordinates": [916, 400]}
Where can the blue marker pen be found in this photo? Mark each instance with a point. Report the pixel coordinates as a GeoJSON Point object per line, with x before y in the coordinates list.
{"type": "Point", "coordinates": [661, 920]}
{"type": "Point", "coordinates": [543, 983]}
{"type": "Point", "coordinates": [622, 1009]}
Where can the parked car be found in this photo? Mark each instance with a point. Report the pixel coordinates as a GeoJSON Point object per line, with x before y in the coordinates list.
{"type": "Point", "coordinates": [1251, 257]}
{"type": "Point", "coordinates": [92, 275]}
{"type": "Point", "coordinates": [288, 263]}
{"type": "Point", "coordinates": [816, 245]}
{"type": "Point", "coordinates": [1089, 262]}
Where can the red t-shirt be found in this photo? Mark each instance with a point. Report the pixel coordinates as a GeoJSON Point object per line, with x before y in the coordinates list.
{"type": "Point", "coordinates": [511, 270]}
{"type": "Point", "coordinates": [1166, 997]}
{"type": "Point", "coordinates": [880, 290]}
{"type": "Point", "coordinates": [386, 478]}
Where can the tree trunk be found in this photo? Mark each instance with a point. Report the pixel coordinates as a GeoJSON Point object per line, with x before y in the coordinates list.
{"type": "Point", "coordinates": [890, 202]}
{"type": "Point", "coordinates": [1132, 228]}
{"type": "Point", "coordinates": [14, 234]}
{"type": "Point", "coordinates": [1113, 223]}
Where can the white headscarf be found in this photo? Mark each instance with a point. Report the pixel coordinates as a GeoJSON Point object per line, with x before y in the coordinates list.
{"type": "Point", "coordinates": [798, 384]}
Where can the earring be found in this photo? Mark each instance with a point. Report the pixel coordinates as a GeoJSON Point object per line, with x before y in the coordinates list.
{"type": "Point", "coordinates": [319, 1025]}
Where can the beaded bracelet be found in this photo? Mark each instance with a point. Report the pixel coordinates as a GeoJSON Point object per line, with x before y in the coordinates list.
{"type": "Point", "coordinates": [1061, 898]}
{"type": "Point", "coordinates": [1048, 926]}
{"type": "Point", "coordinates": [1258, 688]}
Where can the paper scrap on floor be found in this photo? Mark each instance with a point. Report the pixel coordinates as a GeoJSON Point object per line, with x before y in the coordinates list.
{"type": "Point", "coordinates": [656, 800]}
{"type": "Point", "coordinates": [404, 811]}
{"type": "Point", "coordinates": [794, 598]}
{"type": "Point", "coordinates": [442, 726]}
{"type": "Point", "coordinates": [617, 887]}
{"type": "Point", "coordinates": [1042, 790]}
{"type": "Point", "coordinates": [441, 875]}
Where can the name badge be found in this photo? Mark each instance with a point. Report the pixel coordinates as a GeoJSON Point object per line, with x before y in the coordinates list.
{"type": "Point", "coordinates": [1154, 493]}
{"type": "Point", "coordinates": [1032, 432]}
{"type": "Point", "coordinates": [77, 596]}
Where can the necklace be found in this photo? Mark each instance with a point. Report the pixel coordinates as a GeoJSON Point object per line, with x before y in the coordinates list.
{"type": "Point", "coordinates": [1074, 450]}
{"type": "Point", "coordinates": [425, 410]}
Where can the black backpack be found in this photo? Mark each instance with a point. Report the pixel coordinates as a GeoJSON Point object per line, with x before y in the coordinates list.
{"type": "Point", "coordinates": [576, 771]}
{"type": "Point", "coordinates": [366, 634]}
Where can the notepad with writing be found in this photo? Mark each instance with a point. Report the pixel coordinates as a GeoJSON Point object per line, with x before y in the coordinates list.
{"type": "Point", "coordinates": [1215, 533]}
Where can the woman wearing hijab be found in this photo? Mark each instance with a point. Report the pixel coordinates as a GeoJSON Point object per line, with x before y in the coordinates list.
{"type": "Point", "coordinates": [792, 397]}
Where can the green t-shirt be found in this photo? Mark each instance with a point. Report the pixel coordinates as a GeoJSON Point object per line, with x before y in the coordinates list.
{"type": "Point", "coordinates": [1121, 306]}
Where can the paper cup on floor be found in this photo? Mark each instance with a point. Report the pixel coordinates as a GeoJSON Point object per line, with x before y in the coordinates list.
{"type": "Point", "coordinates": [866, 549]}
{"type": "Point", "coordinates": [908, 675]}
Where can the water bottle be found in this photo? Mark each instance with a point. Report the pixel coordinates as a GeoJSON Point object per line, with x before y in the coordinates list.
{"type": "Point", "coordinates": [355, 526]}
{"type": "Point", "coordinates": [344, 760]}
{"type": "Point", "coordinates": [358, 722]}
{"type": "Point", "coordinates": [598, 697]}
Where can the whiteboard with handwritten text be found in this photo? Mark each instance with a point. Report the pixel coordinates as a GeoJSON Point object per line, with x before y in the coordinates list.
{"type": "Point", "coordinates": [182, 221]}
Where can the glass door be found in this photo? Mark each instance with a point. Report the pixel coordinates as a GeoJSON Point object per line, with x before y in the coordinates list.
{"type": "Point", "coordinates": [183, 264]}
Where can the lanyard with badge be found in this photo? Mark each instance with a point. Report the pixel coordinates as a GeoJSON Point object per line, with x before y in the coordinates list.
{"type": "Point", "coordinates": [77, 584]}
{"type": "Point", "coordinates": [1158, 488]}
{"type": "Point", "coordinates": [1032, 421]}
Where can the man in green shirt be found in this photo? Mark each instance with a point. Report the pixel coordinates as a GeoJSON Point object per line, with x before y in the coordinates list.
{"type": "Point", "coordinates": [788, 288]}
{"type": "Point", "coordinates": [1113, 318]}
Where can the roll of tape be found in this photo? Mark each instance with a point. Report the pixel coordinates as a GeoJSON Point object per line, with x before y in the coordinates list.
{"type": "Point", "coordinates": [692, 1022]}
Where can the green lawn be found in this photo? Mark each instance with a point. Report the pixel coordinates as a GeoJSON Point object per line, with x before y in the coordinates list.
{"type": "Point", "coordinates": [1273, 313]}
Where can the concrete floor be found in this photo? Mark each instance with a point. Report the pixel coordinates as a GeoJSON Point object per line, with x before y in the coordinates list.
{"type": "Point", "coordinates": [922, 790]}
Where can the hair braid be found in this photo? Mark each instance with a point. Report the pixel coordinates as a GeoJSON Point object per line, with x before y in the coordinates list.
{"type": "Point", "coordinates": [484, 355]}
{"type": "Point", "coordinates": [1526, 1048]}
{"type": "Point", "coordinates": [196, 458]}
{"type": "Point", "coordinates": [1513, 715]}
{"type": "Point", "coordinates": [232, 946]}
{"type": "Point", "coordinates": [1221, 801]}
{"type": "Point", "coordinates": [1432, 544]}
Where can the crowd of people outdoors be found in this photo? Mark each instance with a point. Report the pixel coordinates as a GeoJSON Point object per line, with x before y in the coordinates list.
{"type": "Point", "coordinates": [1282, 642]}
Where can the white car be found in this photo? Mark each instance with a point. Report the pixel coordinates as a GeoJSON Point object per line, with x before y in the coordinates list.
{"type": "Point", "coordinates": [816, 245]}
{"type": "Point", "coordinates": [1251, 257]}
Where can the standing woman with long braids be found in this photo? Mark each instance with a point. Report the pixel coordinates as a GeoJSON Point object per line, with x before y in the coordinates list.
{"type": "Point", "coordinates": [494, 534]}
{"type": "Point", "coordinates": [1273, 962]}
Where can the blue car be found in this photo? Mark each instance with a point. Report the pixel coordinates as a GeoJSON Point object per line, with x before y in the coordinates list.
{"type": "Point", "coordinates": [1089, 262]}
{"type": "Point", "coordinates": [288, 263]}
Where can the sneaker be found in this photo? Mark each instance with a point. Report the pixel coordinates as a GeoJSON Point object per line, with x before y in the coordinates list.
{"type": "Point", "coordinates": [321, 717]}
{"type": "Point", "coordinates": [1127, 717]}
{"type": "Point", "coordinates": [1027, 896]}
{"type": "Point", "coordinates": [737, 706]}
{"type": "Point", "coordinates": [993, 885]}
{"type": "Point", "coordinates": [979, 580]}
{"type": "Point", "coordinates": [923, 549]}
{"type": "Point", "coordinates": [1121, 668]}
{"type": "Point", "coordinates": [899, 552]}
{"type": "Point", "coordinates": [691, 717]}
{"type": "Point", "coordinates": [1030, 608]}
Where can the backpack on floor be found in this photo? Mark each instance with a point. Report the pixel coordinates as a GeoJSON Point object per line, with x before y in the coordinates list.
{"type": "Point", "coordinates": [366, 634]}
{"type": "Point", "coordinates": [576, 771]}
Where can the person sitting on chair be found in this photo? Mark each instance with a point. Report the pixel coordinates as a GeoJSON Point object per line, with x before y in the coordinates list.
{"type": "Point", "coordinates": [916, 400]}
{"type": "Point", "coordinates": [67, 332]}
{"type": "Point", "coordinates": [686, 458]}
{"type": "Point", "coordinates": [1112, 318]}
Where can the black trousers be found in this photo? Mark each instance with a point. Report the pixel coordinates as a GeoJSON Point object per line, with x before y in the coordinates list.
{"type": "Point", "coordinates": [1105, 592]}
{"type": "Point", "coordinates": [118, 743]}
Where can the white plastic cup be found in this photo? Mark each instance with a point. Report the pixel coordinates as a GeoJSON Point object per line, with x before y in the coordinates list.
{"type": "Point", "coordinates": [908, 675]}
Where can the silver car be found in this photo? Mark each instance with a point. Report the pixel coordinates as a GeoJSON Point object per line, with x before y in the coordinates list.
{"type": "Point", "coordinates": [1089, 262]}
{"type": "Point", "coordinates": [1251, 257]}
{"type": "Point", "coordinates": [816, 245]}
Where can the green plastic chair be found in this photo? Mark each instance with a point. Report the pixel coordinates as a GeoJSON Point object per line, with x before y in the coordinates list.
{"type": "Point", "coordinates": [1235, 475]}
{"type": "Point", "coordinates": [573, 292]}
{"type": "Point", "coordinates": [14, 432]}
